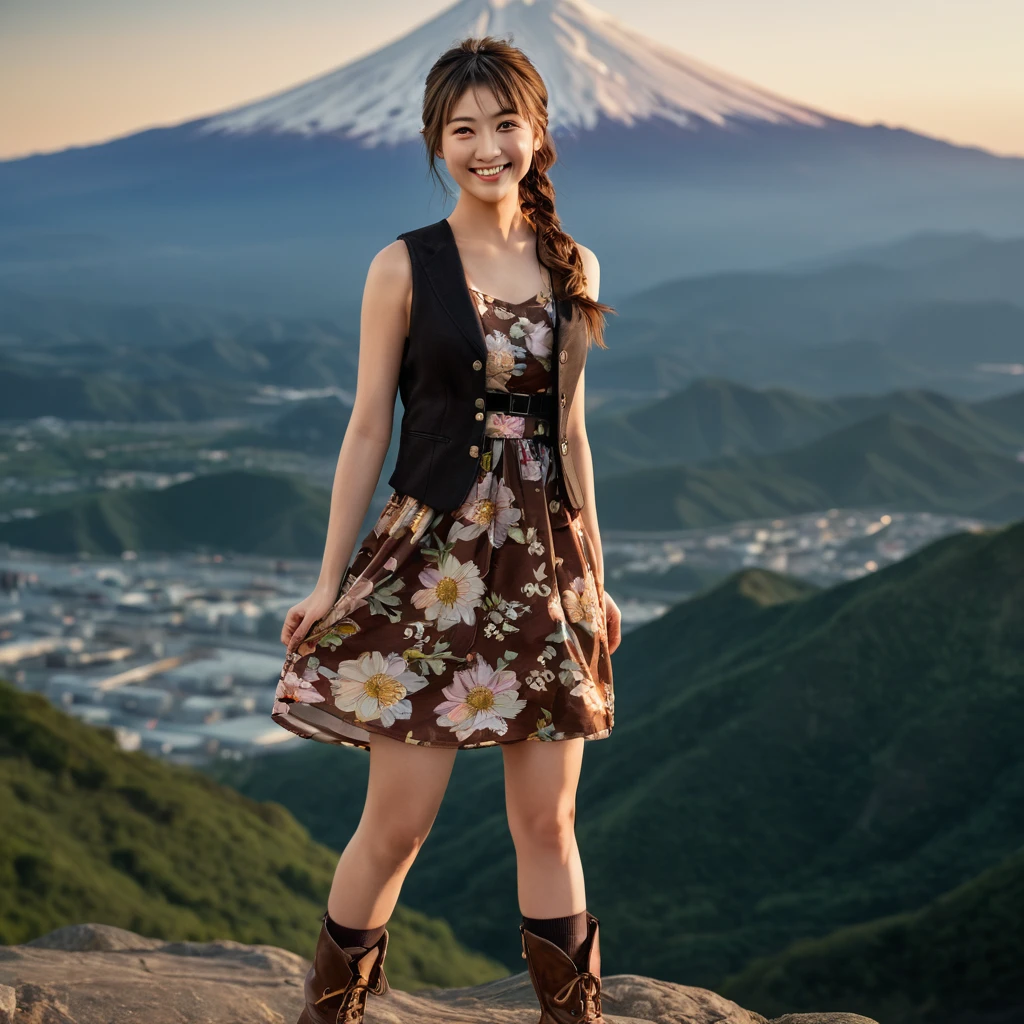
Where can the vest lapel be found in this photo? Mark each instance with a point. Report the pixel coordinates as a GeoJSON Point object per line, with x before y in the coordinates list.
{"type": "Point", "coordinates": [448, 278]}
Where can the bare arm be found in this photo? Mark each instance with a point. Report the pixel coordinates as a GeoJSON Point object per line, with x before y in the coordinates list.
{"type": "Point", "coordinates": [384, 324]}
{"type": "Point", "coordinates": [576, 429]}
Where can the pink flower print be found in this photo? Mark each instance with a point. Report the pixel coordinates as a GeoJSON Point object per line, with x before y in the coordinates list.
{"type": "Point", "coordinates": [538, 335]}
{"type": "Point", "coordinates": [451, 593]}
{"type": "Point", "coordinates": [490, 509]}
{"type": "Point", "coordinates": [504, 424]}
{"type": "Point", "coordinates": [295, 689]}
{"type": "Point", "coordinates": [582, 606]}
{"type": "Point", "coordinates": [480, 698]}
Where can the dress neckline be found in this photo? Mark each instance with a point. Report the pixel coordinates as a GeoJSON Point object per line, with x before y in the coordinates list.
{"type": "Point", "coordinates": [540, 298]}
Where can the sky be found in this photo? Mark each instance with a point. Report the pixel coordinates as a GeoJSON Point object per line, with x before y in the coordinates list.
{"type": "Point", "coordinates": [74, 73]}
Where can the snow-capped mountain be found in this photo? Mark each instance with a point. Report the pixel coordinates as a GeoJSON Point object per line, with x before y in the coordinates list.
{"type": "Point", "coordinates": [665, 166]}
{"type": "Point", "coordinates": [592, 63]}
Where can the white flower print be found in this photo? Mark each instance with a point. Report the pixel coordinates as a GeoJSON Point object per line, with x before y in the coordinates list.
{"type": "Point", "coordinates": [502, 360]}
{"type": "Point", "coordinates": [480, 698]}
{"type": "Point", "coordinates": [375, 685]}
{"type": "Point", "coordinates": [538, 678]}
{"type": "Point", "coordinates": [491, 509]}
{"type": "Point", "coordinates": [452, 592]}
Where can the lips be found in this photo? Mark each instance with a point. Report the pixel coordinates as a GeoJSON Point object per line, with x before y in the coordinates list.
{"type": "Point", "coordinates": [490, 177]}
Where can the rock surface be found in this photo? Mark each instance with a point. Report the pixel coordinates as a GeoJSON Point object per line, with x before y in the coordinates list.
{"type": "Point", "coordinates": [97, 974]}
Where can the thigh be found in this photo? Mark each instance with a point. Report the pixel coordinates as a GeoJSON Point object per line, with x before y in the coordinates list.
{"type": "Point", "coordinates": [407, 782]}
{"type": "Point", "coordinates": [541, 777]}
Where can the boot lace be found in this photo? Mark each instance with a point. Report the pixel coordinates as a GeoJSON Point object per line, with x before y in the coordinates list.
{"type": "Point", "coordinates": [352, 1008]}
{"type": "Point", "coordinates": [584, 989]}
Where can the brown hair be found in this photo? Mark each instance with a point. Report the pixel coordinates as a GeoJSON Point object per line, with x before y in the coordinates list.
{"type": "Point", "coordinates": [507, 71]}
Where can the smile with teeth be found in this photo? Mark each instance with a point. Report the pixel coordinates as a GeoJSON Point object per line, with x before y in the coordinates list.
{"type": "Point", "coordinates": [489, 172]}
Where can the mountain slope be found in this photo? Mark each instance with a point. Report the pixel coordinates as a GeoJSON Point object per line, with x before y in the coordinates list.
{"type": "Point", "coordinates": [715, 417]}
{"type": "Point", "coordinates": [594, 66]}
{"type": "Point", "coordinates": [954, 960]}
{"type": "Point", "coordinates": [256, 513]}
{"type": "Point", "coordinates": [281, 203]}
{"type": "Point", "coordinates": [785, 762]}
{"type": "Point", "coordinates": [90, 832]}
{"type": "Point", "coordinates": [883, 460]}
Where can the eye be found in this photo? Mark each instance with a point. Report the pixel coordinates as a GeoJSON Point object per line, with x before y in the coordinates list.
{"type": "Point", "coordinates": [462, 128]}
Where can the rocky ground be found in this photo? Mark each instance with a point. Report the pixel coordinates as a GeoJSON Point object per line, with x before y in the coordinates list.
{"type": "Point", "coordinates": [97, 974]}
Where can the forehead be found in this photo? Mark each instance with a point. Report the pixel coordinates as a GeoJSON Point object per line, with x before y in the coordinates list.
{"type": "Point", "coordinates": [478, 103]}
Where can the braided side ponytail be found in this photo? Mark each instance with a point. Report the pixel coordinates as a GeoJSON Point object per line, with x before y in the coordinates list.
{"type": "Point", "coordinates": [559, 251]}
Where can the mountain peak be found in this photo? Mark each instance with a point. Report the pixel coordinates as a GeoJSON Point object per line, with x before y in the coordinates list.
{"type": "Point", "coordinates": [593, 64]}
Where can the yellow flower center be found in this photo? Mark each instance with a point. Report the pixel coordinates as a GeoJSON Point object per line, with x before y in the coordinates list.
{"type": "Point", "coordinates": [485, 511]}
{"type": "Point", "coordinates": [480, 698]}
{"type": "Point", "coordinates": [384, 688]}
{"type": "Point", "coordinates": [447, 590]}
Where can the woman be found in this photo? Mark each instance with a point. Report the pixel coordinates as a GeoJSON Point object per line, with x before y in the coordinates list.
{"type": "Point", "coordinates": [474, 613]}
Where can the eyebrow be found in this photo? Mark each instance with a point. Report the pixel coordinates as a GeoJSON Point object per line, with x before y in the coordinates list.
{"type": "Point", "coordinates": [500, 113]}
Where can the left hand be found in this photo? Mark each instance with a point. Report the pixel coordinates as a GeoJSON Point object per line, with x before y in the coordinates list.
{"type": "Point", "coordinates": [613, 618]}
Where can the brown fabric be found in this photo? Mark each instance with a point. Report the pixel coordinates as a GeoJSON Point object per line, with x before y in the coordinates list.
{"type": "Point", "coordinates": [474, 626]}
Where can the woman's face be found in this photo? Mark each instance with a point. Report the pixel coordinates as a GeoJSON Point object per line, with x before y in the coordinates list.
{"type": "Point", "coordinates": [481, 135]}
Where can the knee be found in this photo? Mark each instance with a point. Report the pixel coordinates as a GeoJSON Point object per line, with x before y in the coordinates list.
{"type": "Point", "coordinates": [394, 842]}
{"type": "Point", "coordinates": [550, 828]}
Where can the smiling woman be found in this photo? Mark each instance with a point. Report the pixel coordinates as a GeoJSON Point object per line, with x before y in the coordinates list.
{"type": "Point", "coordinates": [474, 613]}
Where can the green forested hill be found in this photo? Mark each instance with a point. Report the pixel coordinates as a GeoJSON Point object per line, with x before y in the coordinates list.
{"type": "Point", "coordinates": [956, 959]}
{"type": "Point", "coordinates": [714, 417]}
{"type": "Point", "coordinates": [883, 460]}
{"type": "Point", "coordinates": [26, 394]}
{"type": "Point", "coordinates": [255, 513]}
{"type": "Point", "coordinates": [92, 833]}
{"type": "Point", "coordinates": [786, 761]}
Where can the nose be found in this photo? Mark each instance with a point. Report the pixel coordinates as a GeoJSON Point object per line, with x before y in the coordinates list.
{"type": "Point", "coordinates": [488, 149]}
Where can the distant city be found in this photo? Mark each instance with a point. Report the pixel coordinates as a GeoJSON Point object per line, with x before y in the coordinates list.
{"type": "Point", "coordinates": [180, 656]}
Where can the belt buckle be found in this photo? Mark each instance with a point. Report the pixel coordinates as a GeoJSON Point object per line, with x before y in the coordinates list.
{"type": "Point", "coordinates": [513, 395]}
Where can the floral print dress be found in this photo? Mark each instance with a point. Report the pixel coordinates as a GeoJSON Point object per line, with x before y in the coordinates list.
{"type": "Point", "coordinates": [474, 626]}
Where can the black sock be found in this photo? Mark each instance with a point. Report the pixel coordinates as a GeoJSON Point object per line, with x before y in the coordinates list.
{"type": "Point", "coordinates": [345, 937]}
{"type": "Point", "coordinates": [568, 933]}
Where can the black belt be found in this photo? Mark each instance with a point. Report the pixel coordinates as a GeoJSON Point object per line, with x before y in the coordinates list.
{"type": "Point", "coordinates": [541, 404]}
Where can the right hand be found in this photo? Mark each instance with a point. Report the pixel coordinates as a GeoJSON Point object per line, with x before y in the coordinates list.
{"type": "Point", "coordinates": [302, 616]}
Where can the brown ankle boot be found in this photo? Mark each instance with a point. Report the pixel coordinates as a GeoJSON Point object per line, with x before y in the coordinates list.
{"type": "Point", "coordinates": [567, 996]}
{"type": "Point", "coordinates": [337, 983]}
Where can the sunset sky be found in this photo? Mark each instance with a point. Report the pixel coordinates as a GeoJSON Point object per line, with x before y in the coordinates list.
{"type": "Point", "coordinates": [73, 73]}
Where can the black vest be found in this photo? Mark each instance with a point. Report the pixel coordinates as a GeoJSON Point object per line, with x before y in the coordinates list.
{"type": "Point", "coordinates": [442, 379]}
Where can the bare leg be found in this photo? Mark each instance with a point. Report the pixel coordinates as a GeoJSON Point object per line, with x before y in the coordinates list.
{"type": "Point", "coordinates": [540, 800]}
{"type": "Point", "coordinates": [407, 783]}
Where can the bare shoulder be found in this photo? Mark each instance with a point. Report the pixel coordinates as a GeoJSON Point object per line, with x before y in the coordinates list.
{"type": "Point", "coordinates": [592, 270]}
{"type": "Point", "coordinates": [391, 265]}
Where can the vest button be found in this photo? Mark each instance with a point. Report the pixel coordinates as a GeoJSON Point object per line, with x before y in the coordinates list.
{"type": "Point", "coordinates": [479, 415]}
{"type": "Point", "coordinates": [479, 403]}
{"type": "Point", "coordinates": [565, 447]}
{"type": "Point", "coordinates": [554, 505]}
{"type": "Point", "coordinates": [561, 401]}
{"type": "Point", "coordinates": [477, 365]}
{"type": "Point", "coordinates": [562, 356]}
{"type": "Point", "coordinates": [474, 450]}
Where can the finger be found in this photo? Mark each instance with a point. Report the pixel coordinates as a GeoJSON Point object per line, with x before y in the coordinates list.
{"type": "Point", "coordinates": [300, 632]}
